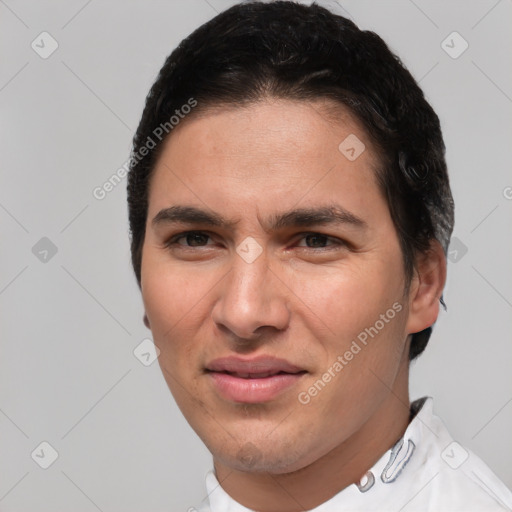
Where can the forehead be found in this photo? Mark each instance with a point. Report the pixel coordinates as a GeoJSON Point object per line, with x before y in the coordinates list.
{"type": "Point", "coordinates": [272, 150]}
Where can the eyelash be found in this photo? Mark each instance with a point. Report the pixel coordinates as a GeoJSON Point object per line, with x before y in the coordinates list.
{"type": "Point", "coordinates": [173, 241]}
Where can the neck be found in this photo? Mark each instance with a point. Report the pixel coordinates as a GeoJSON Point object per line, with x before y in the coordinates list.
{"type": "Point", "coordinates": [312, 485]}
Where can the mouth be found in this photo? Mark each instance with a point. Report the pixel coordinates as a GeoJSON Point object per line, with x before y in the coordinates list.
{"type": "Point", "coordinates": [252, 381]}
{"type": "Point", "coordinates": [261, 375]}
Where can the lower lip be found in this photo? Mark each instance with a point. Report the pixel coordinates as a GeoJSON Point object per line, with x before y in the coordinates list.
{"type": "Point", "coordinates": [253, 391]}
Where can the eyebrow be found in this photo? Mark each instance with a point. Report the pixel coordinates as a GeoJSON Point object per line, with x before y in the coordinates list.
{"type": "Point", "coordinates": [301, 217]}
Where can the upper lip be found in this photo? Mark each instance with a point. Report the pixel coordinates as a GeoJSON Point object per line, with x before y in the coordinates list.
{"type": "Point", "coordinates": [256, 365]}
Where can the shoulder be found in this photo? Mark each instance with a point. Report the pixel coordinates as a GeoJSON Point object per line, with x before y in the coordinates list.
{"type": "Point", "coordinates": [472, 486]}
{"type": "Point", "coordinates": [204, 506]}
{"type": "Point", "coordinates": [450, 477]}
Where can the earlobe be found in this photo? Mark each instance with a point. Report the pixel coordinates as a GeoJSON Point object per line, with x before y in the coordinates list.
{"type": "Point", "coordinates": [146, 321]}
{"type": "Point", "coordinates": [427, 288]}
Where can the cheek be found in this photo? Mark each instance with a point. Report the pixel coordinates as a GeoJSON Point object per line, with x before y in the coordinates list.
{"type": "Point", "coordinates": [171, 299]}
{"type": "Point", "coordinates": [350, 298]}
{"type": "Point", "coordinates": [178, 303]}
{"type": "Point", "coordinates": [366, 345]}
{"type": "Point", "coordinates": [365, 314]}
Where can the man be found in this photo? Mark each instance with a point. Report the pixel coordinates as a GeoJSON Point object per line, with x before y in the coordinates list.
{"type": "Point", "coordinates": [290, 213]}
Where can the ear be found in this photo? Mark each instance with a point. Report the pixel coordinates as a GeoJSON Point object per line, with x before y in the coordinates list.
{"type": "Point", "coordinates": [146, 321]}
{"type": "Point", "coordinates": [426, 288]}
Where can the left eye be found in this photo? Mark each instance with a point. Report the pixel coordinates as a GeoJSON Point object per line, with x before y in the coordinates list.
{"type": "Point", "coordinates": [318, 240]}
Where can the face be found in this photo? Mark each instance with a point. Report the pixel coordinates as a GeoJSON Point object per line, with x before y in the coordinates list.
{"type": "Point", "coordinates": [268, 245]}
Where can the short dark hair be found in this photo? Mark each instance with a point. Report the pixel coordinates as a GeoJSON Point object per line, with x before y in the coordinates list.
{"type": "Point", "coordinates": [289, 50]}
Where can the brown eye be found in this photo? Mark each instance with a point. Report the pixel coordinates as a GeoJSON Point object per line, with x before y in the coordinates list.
{"type": "Point", "coordinates": [316, 240]}
{"type": "Point", "coordinates": [196, 239]}
{"type": "Point", "coordinates": [319, 241]}
{"type": "Point", "coordinates": [192, 239]}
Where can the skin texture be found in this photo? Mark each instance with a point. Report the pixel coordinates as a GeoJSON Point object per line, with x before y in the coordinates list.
{"type": "Point", "coordinates": [304, 299]}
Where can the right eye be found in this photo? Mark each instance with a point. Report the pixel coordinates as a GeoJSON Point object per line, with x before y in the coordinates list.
{"type": "Point", "coordinates": [192, 239]}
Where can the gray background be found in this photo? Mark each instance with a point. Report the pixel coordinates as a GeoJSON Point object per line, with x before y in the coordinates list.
{"type": "Point", "coordinates": [69, 324]}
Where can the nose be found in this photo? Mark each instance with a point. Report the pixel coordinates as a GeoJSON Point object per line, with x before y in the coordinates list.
{"type": "Point", "coordinates": [252, 299]}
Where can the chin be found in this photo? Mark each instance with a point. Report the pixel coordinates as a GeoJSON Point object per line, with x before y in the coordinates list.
{"type": "Point", "coordinates": [250, 458]}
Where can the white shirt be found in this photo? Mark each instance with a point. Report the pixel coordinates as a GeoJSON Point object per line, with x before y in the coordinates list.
{"type": "Point", "coordinates": [425, 471]}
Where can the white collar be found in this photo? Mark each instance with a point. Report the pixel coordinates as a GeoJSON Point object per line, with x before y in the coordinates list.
{"type": "Point", "coordinates": [424, 471]}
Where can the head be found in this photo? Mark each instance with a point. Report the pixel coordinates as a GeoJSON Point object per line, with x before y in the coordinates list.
{"type": "Point", "coordinates": [310, 168]}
